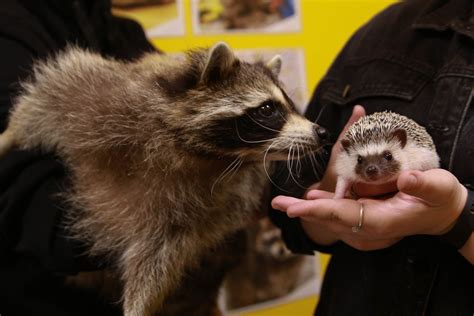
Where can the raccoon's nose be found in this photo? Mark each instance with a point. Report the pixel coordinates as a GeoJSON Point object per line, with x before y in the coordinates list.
{"type": "Point", "coordinates": [321, 132]}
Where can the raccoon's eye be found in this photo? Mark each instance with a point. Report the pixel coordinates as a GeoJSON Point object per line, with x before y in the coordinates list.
{"type": "Point", "coordinates": [359, 159]}
{"type": "Point", "coordinates": [267, 109]}
{"type": "Point", "coordinates": [387, 155]}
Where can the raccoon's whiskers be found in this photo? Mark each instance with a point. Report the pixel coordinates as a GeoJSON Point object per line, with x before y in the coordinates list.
{"type": "Point", "coordinates": [310, 156]}
{"type": "Point", "coordinates": [289, 161]}
{"type": "Point", "coordinates": [234, 171]}
{"type": "Point", "coordinates": [290, 168]}
{"type": "Point", "coordinates": [298, 161]}
{"type": "Point", "coordinates": [237, 162]}
{"type": "Point", "coordinates": [320, 113]}
{"type": "Point", "coordinates": [266, 171]}
{"type": "Point", "coordinates": [313, 162]}
{"type": "Point", "coordinates": [251, 141]}
{"type": "Point", "coordinates": [260, 124]}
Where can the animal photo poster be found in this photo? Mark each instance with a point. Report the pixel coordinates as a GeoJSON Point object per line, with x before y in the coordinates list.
{"type": "Point", "coordinates": [267, 273]}
{"type": "Point", "coordinates": [245, 16]}
{"type": "Point", "coordinates": [159, 18]}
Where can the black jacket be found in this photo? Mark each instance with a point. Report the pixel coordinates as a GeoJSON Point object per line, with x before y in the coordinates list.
{"type": "Point", "coordinates": [34, 253]}
{"type": "Point", "coordinates": [415, 58]}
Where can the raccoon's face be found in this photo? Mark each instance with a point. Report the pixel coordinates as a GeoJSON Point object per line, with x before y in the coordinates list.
{"type": "Point", "coordinates": [239, 109]}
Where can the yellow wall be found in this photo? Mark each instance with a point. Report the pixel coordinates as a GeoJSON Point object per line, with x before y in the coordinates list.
{"type": "Point", "coordinates": [326, 26]}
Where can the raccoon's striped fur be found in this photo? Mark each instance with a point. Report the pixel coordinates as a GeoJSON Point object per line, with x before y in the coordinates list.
{"type": "Point", "coordinates": [166, 155]}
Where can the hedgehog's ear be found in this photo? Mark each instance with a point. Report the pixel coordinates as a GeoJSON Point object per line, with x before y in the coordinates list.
{"type": "Point", "coordinates": [401, 135]}
{"type": "Point", "coordinates": [274, 65]}
{"type": "Point", "coordinates": [346, 144]}
{"type": "Point", "coordinates": [220, 63]}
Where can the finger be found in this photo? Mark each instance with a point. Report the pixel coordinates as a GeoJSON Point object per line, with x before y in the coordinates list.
{"type": "Point", "coordinates": [335, 227]}
{"type": "Point", "coordinates": [314, 186]}
{"type": "Point", "coordinates": [318, 194]}
{"type": "Point", "coordinates": [342, 211]}
{"type": "Point", "coordinates": [282, 202]}
{"type": "Point", "coordinates": [434, 186]}
{"type": "Point", "coordinates": [357, 112]}
{"type": "Point", "coordinates": [367, 190]}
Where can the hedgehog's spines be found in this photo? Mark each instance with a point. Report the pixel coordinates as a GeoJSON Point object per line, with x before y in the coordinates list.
{"type": "Point", "coordinates": [380, 126]}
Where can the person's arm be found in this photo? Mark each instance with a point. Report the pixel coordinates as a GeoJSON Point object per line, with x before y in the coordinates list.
{"type": "Point", "coordinates": [30, 209]}
{"type": "Point", "coordinates": [468, 249]}
{"type": "Point", "coordinates": [428, 203]}
{"type": "Point", "coordinates": [461, 232]}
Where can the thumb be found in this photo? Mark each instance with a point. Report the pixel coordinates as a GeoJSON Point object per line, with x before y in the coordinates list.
{"type": "Point", "coordinates": [434, 186]}
{"type": "Point", "coordinates": [357, 112]}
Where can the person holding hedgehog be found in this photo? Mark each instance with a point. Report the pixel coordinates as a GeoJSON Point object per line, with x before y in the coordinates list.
{"type": "Point", "coordinates": [404, 247]}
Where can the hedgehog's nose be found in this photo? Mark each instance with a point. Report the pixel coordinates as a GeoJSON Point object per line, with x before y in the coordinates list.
{"type": "Point", "coordinates": [371, 170]}
{"type": "Point", "coordinates": [321, 132]}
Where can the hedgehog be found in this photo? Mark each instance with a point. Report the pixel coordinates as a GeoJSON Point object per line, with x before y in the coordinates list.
{"type": "Point", "coordinates": [379, 146]}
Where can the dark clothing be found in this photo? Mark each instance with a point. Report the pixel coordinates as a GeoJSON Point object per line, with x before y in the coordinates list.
{"type": "Point", "coordinates": [415, 58]}
{"type": "Point", "coordinates": [34, 253]}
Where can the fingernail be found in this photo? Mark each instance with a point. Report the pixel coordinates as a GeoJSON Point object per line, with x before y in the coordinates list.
{"type": "Point", "coordinates": [278, 207]}
{"type": "Point", "coordinates": [292, 214]}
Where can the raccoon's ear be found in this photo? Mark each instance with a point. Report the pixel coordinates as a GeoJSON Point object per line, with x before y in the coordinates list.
{"type": "Point", "coordinates": [274, 65]}
{"type": "Point", "coordinates": [220, 63]}
{"type": "Point", "coordinates": [401, 135]}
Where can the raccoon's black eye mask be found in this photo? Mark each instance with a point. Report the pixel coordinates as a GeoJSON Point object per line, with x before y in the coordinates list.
{"type": "Point", "coordinates": [266, 119]}
{"type": "Point", "coordinates": [252, 128]}
{"type": "Point", "coordinates": [266, 111]}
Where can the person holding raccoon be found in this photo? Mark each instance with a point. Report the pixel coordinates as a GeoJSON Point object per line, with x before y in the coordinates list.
{"type": "Point", "coordinates": [34, 252]}
{"type": "Point", "coordinates": [404, 247]}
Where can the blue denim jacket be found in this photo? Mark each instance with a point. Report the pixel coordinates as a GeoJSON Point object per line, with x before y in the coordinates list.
{"type": "Point", "coordinates": [415, 58]}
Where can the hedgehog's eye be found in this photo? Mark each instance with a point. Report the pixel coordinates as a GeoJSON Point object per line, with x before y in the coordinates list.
{"type": "Point", "coordinates": [359, 159]}
{"type": "Point", "coordinates": [387, 155]}
{"type": "Point", "coordinates": [267, 109]}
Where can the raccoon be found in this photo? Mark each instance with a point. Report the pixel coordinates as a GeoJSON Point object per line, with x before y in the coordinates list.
{"type": "Point", "coordinates": [166, 155]}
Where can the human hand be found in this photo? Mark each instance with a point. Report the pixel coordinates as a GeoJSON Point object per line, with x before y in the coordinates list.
{"type": "Point", "coordinates": [428, 202]}
{"type": "Point", "coordinates": [328, 182]}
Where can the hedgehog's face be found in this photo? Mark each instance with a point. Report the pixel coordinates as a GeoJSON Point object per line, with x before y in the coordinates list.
{"type": "Point", "coordinates": [240, 110]}
{"type": "Point", "coordinates": [373, 162]}
{"type": "Point", "coordinates": [379, 167]}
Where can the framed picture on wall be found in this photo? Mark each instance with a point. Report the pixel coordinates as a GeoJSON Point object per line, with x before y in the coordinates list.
{"type": "Point", "coordinates": [159, 18]}
{"type": "Point", "coordinates": [246, 16]}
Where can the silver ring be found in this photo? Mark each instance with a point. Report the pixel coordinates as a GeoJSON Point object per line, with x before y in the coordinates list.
{"type": "Point", "coordinates": [355, 229]}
